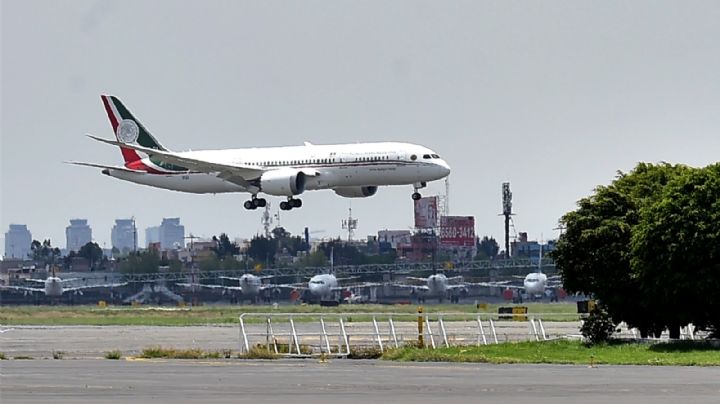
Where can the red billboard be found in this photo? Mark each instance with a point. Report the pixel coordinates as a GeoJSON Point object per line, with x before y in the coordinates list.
{"type": "Point", "coordinates": [426, 212]}
{"type": "Point", "coordinates": [457, 231]}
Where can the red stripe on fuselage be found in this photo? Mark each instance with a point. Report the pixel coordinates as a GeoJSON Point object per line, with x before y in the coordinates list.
{"type": "Point", "coordinates": [129, 155]}
{"type": "Point", "coordinates": [140, 166]}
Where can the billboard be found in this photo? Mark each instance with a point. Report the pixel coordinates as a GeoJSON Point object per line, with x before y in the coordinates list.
{"type": "Point", "coordinates": [426, 212]}
{"type": "Point", "coordinates": [457, 231]}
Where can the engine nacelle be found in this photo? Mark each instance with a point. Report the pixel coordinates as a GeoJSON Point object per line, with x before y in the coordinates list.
{"type": "Point", "coordinates": [356, 192]}
{"type": "Point", "coordinates": [283, 182]}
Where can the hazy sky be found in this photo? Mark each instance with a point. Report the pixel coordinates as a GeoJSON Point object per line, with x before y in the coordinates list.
{"type": "Point", "coordinates": [553, 96]}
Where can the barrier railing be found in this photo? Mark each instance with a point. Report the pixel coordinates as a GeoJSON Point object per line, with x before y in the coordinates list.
{"type": "Point", "coordinates": [339, 334]}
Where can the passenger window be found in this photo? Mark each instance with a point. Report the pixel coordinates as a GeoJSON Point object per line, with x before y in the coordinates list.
{"type": "Point", "coordinates": [413, 157]}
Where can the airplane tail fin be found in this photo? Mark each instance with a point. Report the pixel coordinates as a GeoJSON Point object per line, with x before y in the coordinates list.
{"type": "Point", "coordinates": [127, 128]}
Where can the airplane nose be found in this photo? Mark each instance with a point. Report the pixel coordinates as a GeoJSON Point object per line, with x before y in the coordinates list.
{"type": "Point", "coordinates": [444, 168]}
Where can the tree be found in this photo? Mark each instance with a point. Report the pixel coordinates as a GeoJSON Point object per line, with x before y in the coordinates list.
{"type": "Point", "coordinates": [140, 263]}
{"type": "Point", "coordinates": [91, 252]}
{"type": "Point", "coordinates": [224, 247]}
{"type": "Point", "coordinates": [487, 248]}
{"type": "Point", "coordinates": [44, 253]}
{"type": "Point", "coordinates": [262, 249]}
{"type": "Point", "coordinates": [676, 250]}
{"type": "Point", "coordinates": [594, 253]}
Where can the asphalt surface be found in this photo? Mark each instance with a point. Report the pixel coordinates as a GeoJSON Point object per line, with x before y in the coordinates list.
{"type": "Point", "coordinates": [343, 381]}
{"type": "Point", "coordinates": [86, 342]}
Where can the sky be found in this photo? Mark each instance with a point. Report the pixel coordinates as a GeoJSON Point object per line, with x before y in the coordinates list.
{"type": "Point", "coordinates": [553, 96]}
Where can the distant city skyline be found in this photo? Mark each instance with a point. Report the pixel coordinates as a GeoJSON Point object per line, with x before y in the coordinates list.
{"type": "Point", "coordinates": [552, 96]}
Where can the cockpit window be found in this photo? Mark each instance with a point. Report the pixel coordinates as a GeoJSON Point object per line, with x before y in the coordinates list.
{"type": "Point", "coordinates": [426, 156]}
{"type": "Point", "coordinates": [413, 157]}
{"type": "Point", "coordinates": [435, 156]}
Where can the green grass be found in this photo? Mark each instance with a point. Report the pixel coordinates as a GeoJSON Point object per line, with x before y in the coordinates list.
{"type": "Point", "coordinates": [58, 354]}
{"type": "Point", "coordinates": [568, 352]}
{"type": "Point", "coordinates": [116, 354]}
{"type": "Point", "coordinates": [2, 356]}
{"type": "Point", "coordinates": [226, 314]}
{"type": "Point", "coordinates": [174, 353]}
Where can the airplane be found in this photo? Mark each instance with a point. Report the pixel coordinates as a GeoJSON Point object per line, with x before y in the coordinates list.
{"type": "Point", "coordinates": [534, 283]}
{"type": "Point", "coordinates": [350, 170]}
{"type": "Point", "coordinates": [54, 286]}
{"type": "Point", "coordinates": [248, 284]}
{"type": "Point", "coordinates": [435, 285]}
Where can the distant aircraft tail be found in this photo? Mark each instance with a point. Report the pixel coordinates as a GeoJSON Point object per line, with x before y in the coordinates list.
{"type": "Point", "coordinates": [128, 129]}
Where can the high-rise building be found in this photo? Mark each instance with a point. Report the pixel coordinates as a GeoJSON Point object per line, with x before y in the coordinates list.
{"type": "Point", "coordinates": [124, 236]}
{"type": "Point", "coordinates": [172, 233]}
{"type": "Point", "coordinates": [17, 242]}
{"type": "Point", "coordinates": [77, 234]}
{"type": "Point", "coordinates": [152, 235]}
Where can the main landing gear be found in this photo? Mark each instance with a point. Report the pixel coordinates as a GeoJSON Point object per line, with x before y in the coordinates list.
{"type": "Point", "coordinates": [418, 185]}
{"type": "Point", "coordinates": [291, 203]}
{"type": "Point", "coordinates": [255, 203]}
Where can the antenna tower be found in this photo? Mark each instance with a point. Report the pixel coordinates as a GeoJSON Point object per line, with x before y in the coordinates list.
{"type": "Point", "coordinates": [267, 220]}
{"type": "Point", "coordinates": [350, 224]}
{"type": "Point", "coordinates": [507, 212]}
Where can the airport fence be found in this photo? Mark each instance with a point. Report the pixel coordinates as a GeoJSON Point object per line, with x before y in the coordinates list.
{"type": "Point", "coordinates": [342, 334]}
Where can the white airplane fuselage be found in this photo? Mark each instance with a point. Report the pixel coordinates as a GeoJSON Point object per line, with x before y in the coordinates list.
{"type": "Point", "coordinates": [322, 286]}
{"type": "Point", "coordinates": [53, 286]}
{"type": "Point", "coordinates": [437, 285]}
{"type": "Point", "coordinates": [534, 284]}
{"type": "Point", "coordinates": [332, 166]}
{"type": "Point", "coordinates": [250, 285]}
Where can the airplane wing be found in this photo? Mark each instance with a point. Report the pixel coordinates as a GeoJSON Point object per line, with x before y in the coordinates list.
{"type": "Point", "coordinates": [503, 284]}
{"type": "Point", "coordinates": [103, 166]}
{"type": "Point", "coordinates": [461, 286]}
{"type": "Point", "coordinates": [36, 280]}
{"type": "Point", "coordinates": [24, 289]}
{"type": "Point", "coordinates": [413, 287]}
{"type": "Point", "coordinates": [455, 278]}
{"type": "Point", "coordinates": [235, 173]}
{"type": "Point", "coordinates": [200, 285]}
{"type": "Point", "coordinates": [413, 278]}
{"type": "Point", "coordinates": [359, 286]}
{"type": "Point", "coordinates": [83, 287]}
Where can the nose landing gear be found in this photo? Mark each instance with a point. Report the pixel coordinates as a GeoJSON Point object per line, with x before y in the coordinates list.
{"type": "Point", "coordinates": [418, 185]}
{"type": "Point", "coordinates": [255, 203]}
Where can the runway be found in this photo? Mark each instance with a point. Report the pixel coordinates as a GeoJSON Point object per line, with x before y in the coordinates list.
{"type": "Point", "coordinates": [343, 381]}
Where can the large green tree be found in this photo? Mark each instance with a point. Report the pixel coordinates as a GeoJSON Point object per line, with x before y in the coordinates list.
{"type": "Point", "coordinates": [676, 250]}
{"type": "Point", "coordinates": [595, 255]}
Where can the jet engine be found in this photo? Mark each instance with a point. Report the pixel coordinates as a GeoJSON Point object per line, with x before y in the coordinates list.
{"type": "Point", "coordinates": [356, 192]}
{"type": "Point", "coordinates": [283, 182]}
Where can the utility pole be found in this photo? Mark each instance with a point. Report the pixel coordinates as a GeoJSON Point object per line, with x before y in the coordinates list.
{"type": "Point", "coordinates": [507, 212]}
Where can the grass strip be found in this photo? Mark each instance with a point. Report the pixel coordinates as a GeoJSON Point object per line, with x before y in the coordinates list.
{"type": "Point", "coordinates": [682, 353]}
{"type": "Point", "coordinates": [227, 314]}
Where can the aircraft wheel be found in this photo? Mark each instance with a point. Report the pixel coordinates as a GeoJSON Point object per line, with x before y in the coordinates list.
{"type": "Point", "coordinates": [260, 202]}
{"type": "Point", "coordinates": [249, 205]}
{"type": "Point", "coordinates": [416, 196]}
{"type": "Point", "coordinates": [285, 206]}
{"type": "Point", "coordinates": [296, 203]}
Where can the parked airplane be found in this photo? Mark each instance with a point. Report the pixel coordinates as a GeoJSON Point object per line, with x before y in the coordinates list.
{"type": "Point", "coordinates": [436, 285]}
{"type": "Point", "coordinates": [325, 287]}
{"type": "Point", "coordinates": [534, 283]}
{"type": "Point", "coordinates": [54, 286]}
{"type": "Point", "coordinates": [350, 170]}
{"type": "Point", "coordinates": [248, 284]}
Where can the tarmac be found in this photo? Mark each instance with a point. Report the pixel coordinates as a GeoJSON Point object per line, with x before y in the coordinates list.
{"type": "Point", "coordinates": [346, 381]}
{"type": "Point", "coordinates": [87, 342]}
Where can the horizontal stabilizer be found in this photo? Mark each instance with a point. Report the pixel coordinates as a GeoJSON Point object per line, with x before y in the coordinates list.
{"type": "Point", "coordinates": [103, 166]}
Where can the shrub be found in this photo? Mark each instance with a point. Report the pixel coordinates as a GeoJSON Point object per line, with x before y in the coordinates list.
{"type": "Point", "coordinates": [116, 354]}
{"type": "Point", "coordinates": [598, 326]}
{"type": "Point", "coordinates": [58, 354]}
